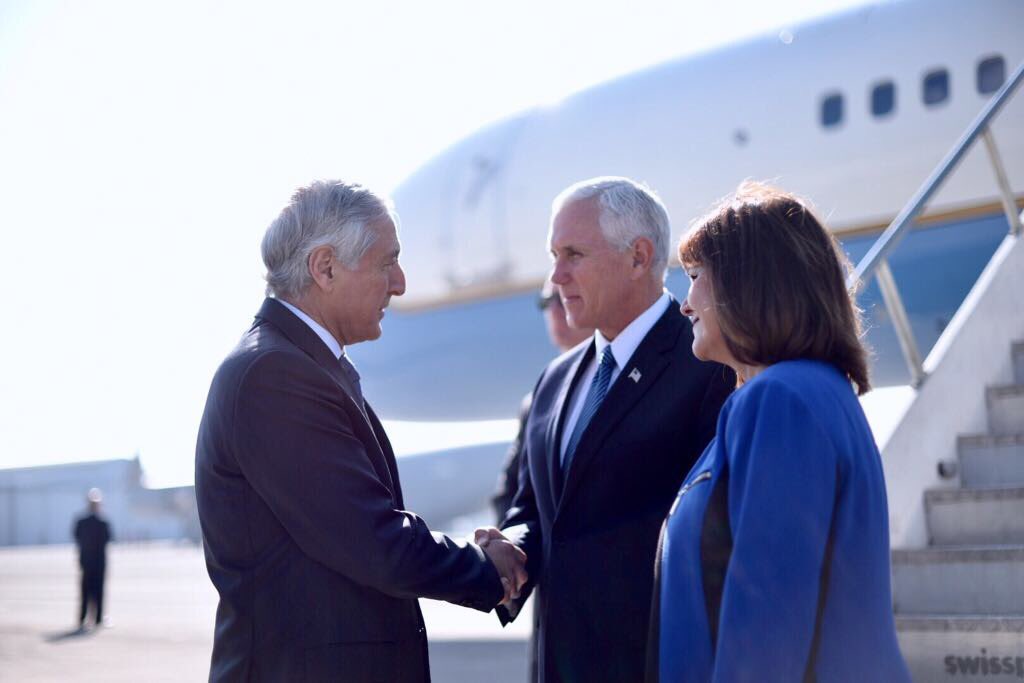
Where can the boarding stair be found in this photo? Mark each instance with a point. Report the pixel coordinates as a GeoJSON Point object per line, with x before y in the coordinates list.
{"type": "Point", "coordinates": [957, 513]}
{"type": "Point", "coordinates": [959, 602]}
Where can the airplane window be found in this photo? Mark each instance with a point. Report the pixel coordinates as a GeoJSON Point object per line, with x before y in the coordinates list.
{"type": "Point", "coordinates": [883, 98]}
{"type": "Point", "coordinates": [832, 110]}
{"type": "Point", "coordinates": [991, 74]}
{"type": "Point", "coordinates": [936, 87]}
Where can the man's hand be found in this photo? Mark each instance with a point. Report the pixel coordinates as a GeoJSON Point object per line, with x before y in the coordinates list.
{"type": "Point", "coordinates": [485, 534]}
{"type": "Point", "coordinates": [509, 560]}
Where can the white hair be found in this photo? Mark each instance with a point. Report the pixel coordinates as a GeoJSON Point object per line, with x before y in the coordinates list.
{"type": "Point", "coordinates": [628, 210]}
{"type": "Point", "coordinates": [325, 212]}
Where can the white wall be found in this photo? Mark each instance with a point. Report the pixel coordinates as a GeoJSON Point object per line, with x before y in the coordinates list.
{"type": "Point", "coordinates": [38, 505]}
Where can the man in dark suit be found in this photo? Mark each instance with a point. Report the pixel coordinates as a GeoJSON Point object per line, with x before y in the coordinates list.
{"type": "Point", "coordinates": [317, 563]}
{"type": "Point", "coordinates": [614, 426]}
{"type": "Point", "coordinates": [564, 338]}
{"type": "Point", "coordinates": [92, 533]}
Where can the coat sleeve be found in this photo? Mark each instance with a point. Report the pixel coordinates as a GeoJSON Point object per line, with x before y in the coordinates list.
{"type": "Point", "coordinates": [782, 490]}
{"type": "Point", "coordinates": [508, 480]}
{"type": "Point", "coordinates": [522, 525]}
{"type": "Point", "coordinates": [298, 451]}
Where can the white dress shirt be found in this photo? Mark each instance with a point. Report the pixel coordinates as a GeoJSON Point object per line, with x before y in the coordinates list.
{"type": "Point", "coordinates": [337, 349]}
{"type": "Point", "coordinates": [623, 347]}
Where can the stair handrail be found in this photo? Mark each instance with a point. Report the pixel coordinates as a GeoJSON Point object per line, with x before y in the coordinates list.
{"type": "Point", "coordinates": [875, 263]}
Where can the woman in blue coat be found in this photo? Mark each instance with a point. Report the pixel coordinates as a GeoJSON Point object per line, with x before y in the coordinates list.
{"type": "Point", "coordinates": [774, 563]}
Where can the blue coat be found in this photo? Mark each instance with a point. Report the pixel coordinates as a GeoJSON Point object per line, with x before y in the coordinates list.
{"type": "Point", "coordinates": [775, 560]}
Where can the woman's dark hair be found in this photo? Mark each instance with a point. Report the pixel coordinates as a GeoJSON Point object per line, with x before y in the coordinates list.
{"type": "Point", "coordinates": [778, 282]}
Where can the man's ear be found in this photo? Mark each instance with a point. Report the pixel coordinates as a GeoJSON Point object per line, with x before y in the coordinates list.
{"type": "Point", "coordinates": [322, 266]}
{"type": "Point", "coordinates": [643, 256]}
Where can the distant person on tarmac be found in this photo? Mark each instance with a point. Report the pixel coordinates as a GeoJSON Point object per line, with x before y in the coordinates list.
{"type": "Point", "coordinates": [92, 533]}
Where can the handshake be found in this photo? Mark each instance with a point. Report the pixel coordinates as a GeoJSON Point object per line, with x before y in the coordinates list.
{"type": "Point", "coordinates": [509, 560]}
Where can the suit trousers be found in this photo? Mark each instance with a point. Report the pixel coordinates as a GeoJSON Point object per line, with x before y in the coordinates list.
{"type": "Point", "coordinates": [92, 593]}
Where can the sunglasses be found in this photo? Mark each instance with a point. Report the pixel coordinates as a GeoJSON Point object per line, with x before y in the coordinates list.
{"type": "Point", "coordinates": [543, 302]}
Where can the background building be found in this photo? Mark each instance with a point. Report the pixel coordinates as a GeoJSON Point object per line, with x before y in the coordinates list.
{"type": "Point", "coordinates": [38, 505]}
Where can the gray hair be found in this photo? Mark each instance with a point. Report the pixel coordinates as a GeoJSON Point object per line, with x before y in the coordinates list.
{"type": "Point", "coordinates": [326, 212]}
{"type": "Point", "coordinates": [628, 210]}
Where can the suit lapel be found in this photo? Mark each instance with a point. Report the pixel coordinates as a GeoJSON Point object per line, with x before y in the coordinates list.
{"type": "Point", "coordinates": [648, 362]}
{"type": "Point", "coordinates": [558, 417]}
{"type": "Point", "coordinates": [300, 334]}
{"type": "Point", "coordinates": [393, 482]}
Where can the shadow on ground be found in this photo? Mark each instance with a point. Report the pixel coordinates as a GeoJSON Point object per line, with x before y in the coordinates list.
{"type": "Point", "coordinates": [80, 632]}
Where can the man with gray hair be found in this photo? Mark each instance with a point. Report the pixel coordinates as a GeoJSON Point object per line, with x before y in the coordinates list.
{"type": "Point", "coordinates": [317, 563]}
{"type": "Point", "coordinates": [615, 424]}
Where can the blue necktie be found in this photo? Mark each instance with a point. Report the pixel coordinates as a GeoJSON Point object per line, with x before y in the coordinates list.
{"type": "Point", "coordinates": [353, 377]}
{"type": "Point", "coordinates": [598, 389]}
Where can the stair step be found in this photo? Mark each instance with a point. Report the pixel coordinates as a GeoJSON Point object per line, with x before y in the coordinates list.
{"type": "Point", "coordinates": [981, 580]}
{"type": "Point", "coordinates": [991, 461]}
{"type": "Point", "coordinates": [944, 647]}
{"type": "Point", "coordinates": [993, 516]}
{"type": "Point", "coordinates": [1017, 354]}
{"type": "Point", "coordinates": [1005, 409]}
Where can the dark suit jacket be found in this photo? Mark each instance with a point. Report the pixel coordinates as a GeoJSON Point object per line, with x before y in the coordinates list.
{"type": "Point", "coordinates": [591, 540]}
{"type": "Point", "coordinates": [92, 533]}
{"type": "Point", "coordinates": [508, 479]}
{"type": "Point", "coordinates": [317, 565]}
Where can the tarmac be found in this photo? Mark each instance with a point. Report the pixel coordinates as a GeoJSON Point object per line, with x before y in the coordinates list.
{"type": "Point", "coordinates": [160, 605]}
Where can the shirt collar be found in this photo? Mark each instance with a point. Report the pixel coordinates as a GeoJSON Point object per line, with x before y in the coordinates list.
{"type": "Point", "coordinates": [320, 330]}
{"type": "Point", "coordinates": [626, 342]}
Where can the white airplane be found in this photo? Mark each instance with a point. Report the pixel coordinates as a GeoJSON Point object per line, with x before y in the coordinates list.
{"type": "Point", "coordinates": [853, 112]}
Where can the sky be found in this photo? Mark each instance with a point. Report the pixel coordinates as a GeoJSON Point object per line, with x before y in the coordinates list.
{"type": "Point", "coordinates": [144, 148]}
